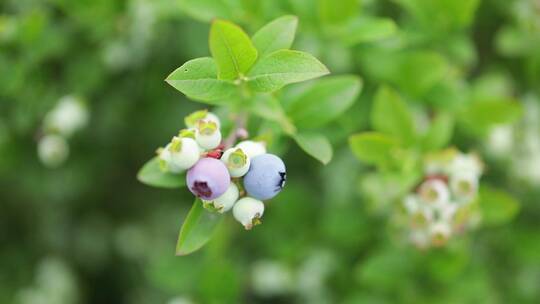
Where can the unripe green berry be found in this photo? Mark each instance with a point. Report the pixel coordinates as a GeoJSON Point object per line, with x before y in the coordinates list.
{"type": "Point", "coordinates": [236, 161]}
{"type": "Point", "coordinates": [225, 201]}
{"type": "Point", "coordinates": [248, 211]}
{"type": "Point", "coordinates": [207, 134]}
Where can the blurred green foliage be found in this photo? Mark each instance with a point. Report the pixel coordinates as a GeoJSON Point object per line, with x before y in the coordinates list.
{"type": "Point", "coordinates": [88, 232]}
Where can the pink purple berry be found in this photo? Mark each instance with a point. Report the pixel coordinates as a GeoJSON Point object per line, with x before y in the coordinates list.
{"type": "Point", "coordinates": [208, 178]}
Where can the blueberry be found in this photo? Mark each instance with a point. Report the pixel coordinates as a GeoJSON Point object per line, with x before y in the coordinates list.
{"type": "Point", "coordinates": [266, 177]}
{"type": "Point", "coordinates": [464, 185]}
{"type": "Point", "coordinates": [252, 148]}
{"type": "Point", "coordinates": [236, 161]}
{"type": "Point", "coordinates": [224, 202]}
{"type": "Point", "coordinates": [180, 154]}
{"type": "Point", "coordinates": [208, 178]}
{"type": "Point", "coordinates": [434, 191]}
{"type": "Point", "coordinates": [207, 134]}
{"type": "Point", "coordinates": [248, 211]}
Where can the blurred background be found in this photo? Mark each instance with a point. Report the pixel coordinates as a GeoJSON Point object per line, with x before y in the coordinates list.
{"type": "Point", "coordinates": [77, 227]}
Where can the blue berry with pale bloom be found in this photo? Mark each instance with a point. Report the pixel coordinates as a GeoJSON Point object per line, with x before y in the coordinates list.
{"type": "Point", "coordinates": [266, 177]}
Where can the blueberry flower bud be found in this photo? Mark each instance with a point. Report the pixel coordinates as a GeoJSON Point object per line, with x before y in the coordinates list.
{"type": "Point", "coordinates": [207, 134]}
{"type": "Point", "coordinates": [248, 211]}
{"type": "Point", "coordinates": [434, 191]}
{"type": "Point", "coordinates": [224, 202]}
{"type": "Point", "coordinates": [252, 148]}
{"type": "Point", "coordinates": [464, 186]}
{"type": "Point", "coordinates": [180, 154]}
{"type": "Point", "coordinates": [192, 119]}
{"type": "Point", "coordinates": [208, 179]}
{"type": "Point", "coordinates": [53, 150]}
{"type": "Point", "coordinates": [266, 177]}
{"type": "Point", "coordinates": [236, 161]}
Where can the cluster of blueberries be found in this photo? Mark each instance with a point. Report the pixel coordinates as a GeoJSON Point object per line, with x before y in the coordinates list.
{"type": "Point", "coordinates": [443, 204]}
{"type": "Point", "coordinates": [224, 178]}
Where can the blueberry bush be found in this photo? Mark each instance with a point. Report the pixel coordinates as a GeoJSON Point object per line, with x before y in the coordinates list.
{"type": "Point", "coordinates": [389, 150]}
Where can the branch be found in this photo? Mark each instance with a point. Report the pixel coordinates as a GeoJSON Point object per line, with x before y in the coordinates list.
{"type": "Point", "coordinates": [238, 130]}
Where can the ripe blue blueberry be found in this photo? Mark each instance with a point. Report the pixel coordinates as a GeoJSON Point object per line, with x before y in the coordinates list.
{"type": "Point", "coordinates": [266, 177]}
{"type": "Point", "coordinates": [208, 178]}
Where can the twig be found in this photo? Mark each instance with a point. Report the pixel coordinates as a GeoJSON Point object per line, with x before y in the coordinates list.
{"type": "Point", "coordinates": [238, 130]}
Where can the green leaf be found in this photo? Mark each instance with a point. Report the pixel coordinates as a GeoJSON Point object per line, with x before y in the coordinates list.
{"type": "Point", "coordinates": [498, 207]}
{"type": "Point", "coordinates": [390, 115]}
{"type": "Point", "coordinates": [335, 12]}
{"type": "Point", "coordinates": [269, 108]}
{"type": "Point", "coordinates": [324, 101]}
{"type": "Point", "coordinates": [283, 67]}
{"type": "Point", "coordinates": [480, 116]}
{"type": "Point", "coordinates": [368, 29]}
{"type": "Point", "coordinates": [315, 145]}
{"type": "Point", "coordinates": [197, 229]}
{"type": "Point", "coordinates": [276, 35]}
{"type": "Point", "coordinates": [197, 79]}
{"type": "Point", "coordinates": [232, 49]}
{"type": "Point", "coordinates": [152, 175]}
{"type": "Point", "coordinates": [373, 148]}
{"type": "Point", "coordinates": [440, 132]}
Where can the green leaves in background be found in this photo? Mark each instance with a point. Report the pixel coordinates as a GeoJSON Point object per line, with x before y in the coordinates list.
{"type": "Point", "coordinates": [441, 15]}
{"type": "Point", "coordinates": [480, 116]}
{"type": "Point", "coordinates": [206, 10]}
{"type": "Point", "coordinates": [197, 79]}
{"type": "Point", "coordinates": [335, 12]}
{"type": "Point", "coordinates": [232, 49]}
{"type": "Point", "coordinates": [284, 67]}
{"type": "Point", "coordinates": [390, 115]}
{"type": "Point", "coordinates": [316, 105]}
{"type": "Point", "coordinates": [385, 269]}
{"type": "Point", "coordinates": [439, 133]}
{"type": "Point", "coordinates": [324, 101]}
{"type": "Point", "coordinates": [373, 148]}
{"type": "Point", "coordinates": [498, 207]}
{"type": "Point", "coordinates": [368, 29]}
{"type": "Point", "coordinates": [268, 107]}
{"type": "Point", "coordinates": [413, 72]}
{"type": "Point", "coordinates": [276, 35]}
{"type": "Point", "coordinates": [152, 175]}
{"type": "Point", "coordinates": [197, 228]}
{"type": "Point", "coordinates": [315, 145]}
